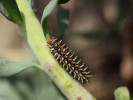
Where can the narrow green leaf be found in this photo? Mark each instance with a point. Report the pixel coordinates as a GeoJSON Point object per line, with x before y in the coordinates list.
{"type": "Point", "coordinates": [7, 91]}
{"type": "Point", "coordinates": [44, 21]}
{"type": "Point", "coordinates": [123, 11]}
{"type": "Point", "coordinates": [62, 1]}
{"type": "Point", "coordinates": [10, 10]}
{"type": "Point", "coordinates": [122, 93]}
{"type": "Point", "coordinates": [62, 18]}
{"type": "Point", "coordinates": [38, 86]}
{"type": "Point", "coordinates": [8, 68]}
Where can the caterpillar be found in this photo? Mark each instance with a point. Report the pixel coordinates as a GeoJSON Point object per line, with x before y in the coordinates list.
{"type": "Point", "coordinates": [69, 60]}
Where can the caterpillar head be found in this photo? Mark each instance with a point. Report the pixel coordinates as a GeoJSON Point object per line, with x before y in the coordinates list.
{"type": "Point", "coordinates": [50, 40]}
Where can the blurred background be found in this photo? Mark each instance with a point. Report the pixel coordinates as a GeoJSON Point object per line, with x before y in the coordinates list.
{"type": "Point", "coordinates": [99, 31]}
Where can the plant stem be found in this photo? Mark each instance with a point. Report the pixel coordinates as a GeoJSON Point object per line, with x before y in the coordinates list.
{"type": "Point", "coordinates": [34, 34]}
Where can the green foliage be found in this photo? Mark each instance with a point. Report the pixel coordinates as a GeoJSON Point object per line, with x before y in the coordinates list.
{"type": "Point", "coordinates": [123, 11]}
{"type": "Point", "coordinates": [8, 68]}
{"type": "Point", "coordinates": [32, 84]}
{"type": "Point", "coordinates": [62, 18]}
{"type": "Point", "coordinates": [48, 9]}
{"type": "Point", "coordinates": [20, 84]}
{"type": "Point", "coordinates": [122, 93]}
{"type": "Point", "coordinates": [10, 10]}
{"type": "Point", "coordinates": [35, 84]}
{"type": "Point", "coordinates": [42, 86]}
{"type": "Point", "coordinates": [8, 91]}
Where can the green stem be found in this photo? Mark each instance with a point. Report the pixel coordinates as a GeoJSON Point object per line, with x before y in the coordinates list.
{"type": "Point", "coordinates": [34, 33]}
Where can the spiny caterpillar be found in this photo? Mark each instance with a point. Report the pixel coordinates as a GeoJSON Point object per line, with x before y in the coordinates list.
{"type": "Point", "coordinates": [69, 61]}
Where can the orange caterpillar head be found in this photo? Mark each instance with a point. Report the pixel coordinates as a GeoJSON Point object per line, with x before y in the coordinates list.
{"type": "Point", "coordinates": [50, 40]}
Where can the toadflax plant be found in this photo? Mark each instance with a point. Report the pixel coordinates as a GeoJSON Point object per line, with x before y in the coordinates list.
{"type": "Point", "coordinates": [21, 13]}
{"type": "Point", "coordinates": [37, 33]}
